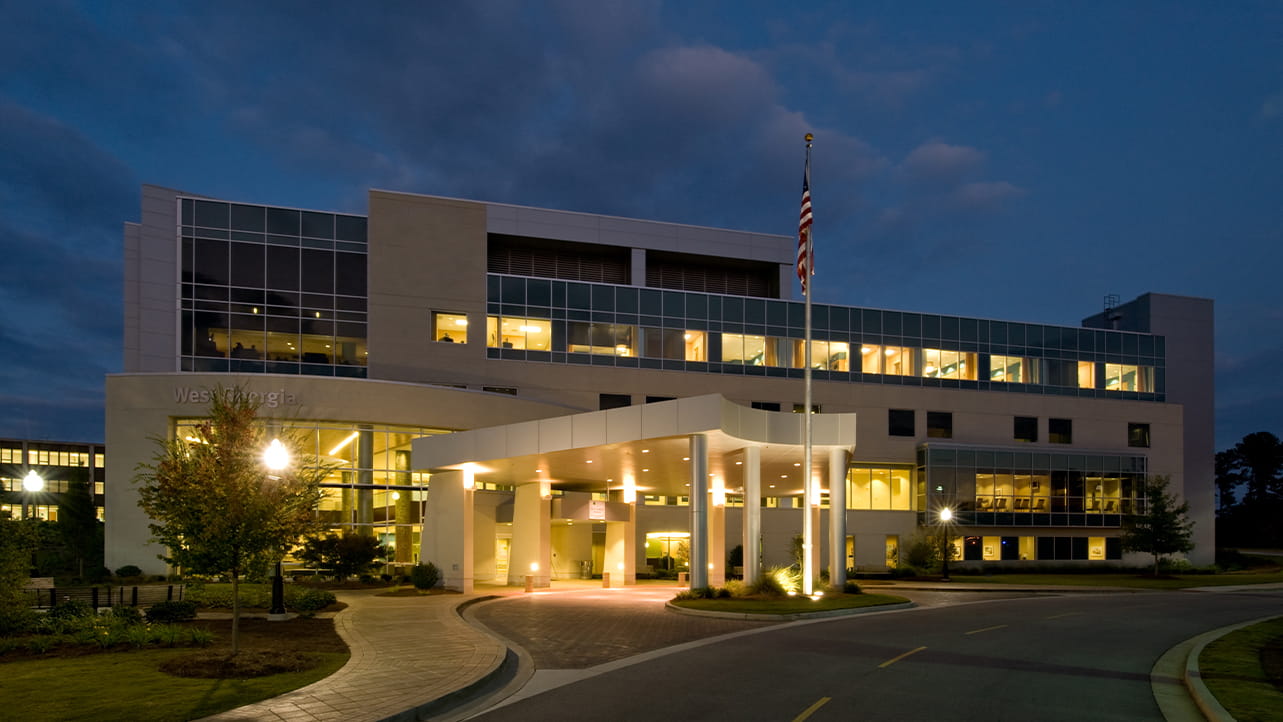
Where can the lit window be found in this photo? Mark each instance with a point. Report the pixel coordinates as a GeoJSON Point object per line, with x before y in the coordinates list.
{"type": "Point", "coordinates": [674, 344]}
{"type": "Point", "coordinates": [943, 364]}
{"type": "Point", "coordinates": [450, 327]}
{"type": "Point", "coordinates": [1128, 377]}
{"type": "Point", "coordinates": [1011, 370]}
{"type": "Point", "coordinates": [748, 350]}
{"type": "Point", "coordinates": [889, 360]}
{"type": "Point", "coordinates": [825, 355]}
{"type": "Point", "coordinates": [523, 333]}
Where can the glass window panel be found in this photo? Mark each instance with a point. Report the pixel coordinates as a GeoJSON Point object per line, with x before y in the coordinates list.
{"type": "Point", "coordinates": [318, 271]}
{"type": "Point", "coordinates": [350, 228]}
{"type": "Point", "coordinates": [283, 221]}
{"type": "Point", "coordinates": [318, 225]}
{"type": "Point", "coordinates": [946, 364]}
{"type": "Point", "coordinates": [450, 327]}
{"type": "Point", "coordinates": [349, 274]}
{"type": "Point", "coordinates": [1086, 375]}
{"type": "Point", "coordinates": [211, 214]}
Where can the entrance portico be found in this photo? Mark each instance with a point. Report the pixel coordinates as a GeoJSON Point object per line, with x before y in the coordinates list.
{"type": "Point", "coordinates": [703, 447]}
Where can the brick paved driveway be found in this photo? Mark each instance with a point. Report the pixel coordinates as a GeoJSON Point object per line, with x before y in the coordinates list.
{"type": "Point", "coordinates": [581, 629]}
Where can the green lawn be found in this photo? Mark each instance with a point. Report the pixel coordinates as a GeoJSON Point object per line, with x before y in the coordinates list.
{"type": "Point", "coordinates": [1243, 668]}
{"type": "Point", "coordinates": [790, 605]}
{"type": "Point", "coordinates": [90, 687]}
{"type": "Point", "coordinates": [1175, 581]}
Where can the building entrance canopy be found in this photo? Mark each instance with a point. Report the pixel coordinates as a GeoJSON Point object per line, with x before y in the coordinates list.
{"type": "Point", "coordinates": [647, 447]}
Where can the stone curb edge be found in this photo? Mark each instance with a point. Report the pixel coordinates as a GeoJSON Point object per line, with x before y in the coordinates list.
{"type": "Point", "coordinates": [1193, 677]}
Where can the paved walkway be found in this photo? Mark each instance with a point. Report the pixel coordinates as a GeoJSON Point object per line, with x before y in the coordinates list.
{"type": "Point", "coordinates": [407, 652]}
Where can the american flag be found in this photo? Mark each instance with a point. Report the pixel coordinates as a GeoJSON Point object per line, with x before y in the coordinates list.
{"type": "Point", "coordinates": [805, 253]}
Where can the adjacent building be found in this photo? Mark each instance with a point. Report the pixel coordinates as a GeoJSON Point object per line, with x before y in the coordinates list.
{"type": "Point", "coordinates": [511, 392]}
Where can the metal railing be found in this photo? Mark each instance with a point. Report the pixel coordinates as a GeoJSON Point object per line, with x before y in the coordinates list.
{"type": "Point", "coordinates": [100, 597]}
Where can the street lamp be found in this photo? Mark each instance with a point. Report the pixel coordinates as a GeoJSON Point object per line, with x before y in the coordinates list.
{"type": "Point", "coordinates": [31, 484]}
{"type": "Point", "coordinates": [946, 548]}
{"type": "Point", "coordinates": [276, 457]}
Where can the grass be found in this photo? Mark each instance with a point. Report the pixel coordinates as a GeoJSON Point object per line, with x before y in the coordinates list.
{"type": "Point", "coordinates": [90, 687]}
{"type": "Point", "coordinates": [789, 605]}
{"type": "Point", "coordinates": [1244, 670]}
{"type": "Point", "coordinates": [1137, 581]}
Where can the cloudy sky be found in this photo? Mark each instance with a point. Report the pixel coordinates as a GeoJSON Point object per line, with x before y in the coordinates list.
{"type": "Point", "coordinates": [1016, 160]}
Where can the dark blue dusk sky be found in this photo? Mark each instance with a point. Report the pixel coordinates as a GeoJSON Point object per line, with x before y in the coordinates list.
{"type": "Point", "coordinates": [1016, 160]}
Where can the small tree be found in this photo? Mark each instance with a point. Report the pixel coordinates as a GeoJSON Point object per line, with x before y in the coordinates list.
{"type": "Point", "coordinates": [18, 539]}
{"type": "Point", "coordinates": [1163, 528]}
{"type": "Point", "coordinates": [78, 524]}
{"type": "Point", "coordinates": [217, 506]}
{"type": "Point", "coordinates": [344, 555]}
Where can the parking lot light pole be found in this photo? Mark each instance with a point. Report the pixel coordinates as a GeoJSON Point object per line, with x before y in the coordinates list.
{"type": "Point", "coordinates": [946, 548]}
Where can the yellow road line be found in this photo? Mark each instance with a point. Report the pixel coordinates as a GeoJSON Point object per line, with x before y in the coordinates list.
{"type": "Point", "coordinates": [986, 629]}
{"type": "Point", "coordinates": [893, 660]}
{"type": "Point", "coordinates": [1066, 614]}
{"type": "Point", "coordinates": [811, 710]}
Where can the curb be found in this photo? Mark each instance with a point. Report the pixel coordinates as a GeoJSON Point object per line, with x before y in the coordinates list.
{"type": "Point", "coordinates": [1193, 677]}
{"type": "Point", "coordinates": [751, 617]}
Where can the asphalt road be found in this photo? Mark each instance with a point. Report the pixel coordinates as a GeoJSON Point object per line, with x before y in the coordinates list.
{"type": "Point", "coordinates": [1072, 657]}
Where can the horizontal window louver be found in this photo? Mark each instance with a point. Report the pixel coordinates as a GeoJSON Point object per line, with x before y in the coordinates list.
{"type": "Point", "coordinates": [562, 263]}
{"type": "Point", "coordinates": [729, 281]}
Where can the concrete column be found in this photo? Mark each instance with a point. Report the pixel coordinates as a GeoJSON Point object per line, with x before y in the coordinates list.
{"type": "Point", "coordinates": [620, 558]}
{"type": "Point", "coordinates": [716, 545]}
{"type": "Point", "coordinates": [837, 517]}
{"type": "Point", "coordinates": [699, 511]}
{"type": "Point", "coordinates": [447, 531]}
{"type": "Point", "coordinates": [531, 537]}
{"type": "Point", "coordinates": [816, 552]}
{"type": "Point", "coordinates": [639, 267]}
{"type": "Point", "coordinates": [404, 508]}
{"type": "Point", "coordinates": [365, 477]}
{"type": "Point", "coordinates": [752, 513]}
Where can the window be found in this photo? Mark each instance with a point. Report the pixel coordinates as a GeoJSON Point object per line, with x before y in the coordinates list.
{"type": "Point", "coordinates": [450, 327]}
{"type": "Point", "coordinates": [674, 344]}
{"type": "Point", "coordinates": [942, 364]}
{"type": "Point", "coordinates": [1138, 435]}
{"type": "Point", "coordinates": [878, 487]}
{"type": "Point", "coordinates": [601, 338]}
{"type": "Point", "coordinates": [1025, 428]}
{"type": "Point", "coordinates": [900, 422]}
{"type": "Point", "coordinates": [658, 399]}
{"type": "Point", "coordinates": [1060, 431]}
{"type": "Point", "coordinates": [765, 405]}
{"type": "Point", "coordinates": [825, 355]}
{"type": "Point", "coordinates": [748, 350]}
{"type": "Point", "coordinates": [523, 333]}
{"type": "Point", "coordinates": [889, 360]}
{"type": "Point", "coordinates": [613, 401]}
{"type": "Point", "coordinates": [1128, 377]}
{"type": "Point", "coordinates": [939, 425]}
{"type": "Point", "coordinates": [797, 408]}
{"type": "Point", "coordinates": [1012, 370]}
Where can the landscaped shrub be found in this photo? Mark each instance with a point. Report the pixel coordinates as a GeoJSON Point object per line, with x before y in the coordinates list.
{"type": "Point", "coordinates": [425, 576]}
{"type": "Point", "coordinates": [129, 570]}
{"type": "Point", "coordinates": [697, 593]}
{"type": "Point", "coordinates": [125, 615]}
{"type": "Point", "coordinates": [71, 609]}
{"type": "Point", "coordinates": [169, 612]}
{"type": "Point", "coordinates": [851, 587]}
{"type": "Point", "coordinates": [736, 588]}
{"type": "Point", "coordinates": [307, 601]}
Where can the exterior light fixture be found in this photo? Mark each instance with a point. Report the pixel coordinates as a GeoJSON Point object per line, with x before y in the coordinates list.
{"type": "Point", "coordinates": [276, 457]}
{"type": "Point", "coordinates": [33, 482]}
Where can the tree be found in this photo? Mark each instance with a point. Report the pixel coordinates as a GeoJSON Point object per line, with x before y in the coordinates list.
{"type": "Point", "coordinates": [78, 524]}
{"type": "Point", "coordinates": [18, 539]}
{"type": "Point", "coordinates": [217, 506]}
{"type": "Point", "coordinates": [1163, 528]}
{"type": "Point", "coordinates": [1255, 463]}
{"type": "Point", "coordinates": [344, 555]}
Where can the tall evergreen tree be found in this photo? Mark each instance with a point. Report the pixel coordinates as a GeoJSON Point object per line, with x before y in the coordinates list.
{"type": "Point", "coordinates": [78, 524]}
{"type": "Point", "coordinates": [218, 505]}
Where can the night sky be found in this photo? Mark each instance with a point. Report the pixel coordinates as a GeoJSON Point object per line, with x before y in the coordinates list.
{"type": "Point", "coordinates": [1015, 160]}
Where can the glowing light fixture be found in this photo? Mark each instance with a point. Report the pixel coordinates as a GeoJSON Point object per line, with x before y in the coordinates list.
{"type": "Point", "coordinates": [339, 447]}
{"type": "Point", "coordinates": [33, 482]}
{"type": "Point", "coordinates": [276, 457]}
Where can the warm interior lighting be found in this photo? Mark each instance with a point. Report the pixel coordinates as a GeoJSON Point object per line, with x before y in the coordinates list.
{"type": "Point", "coordinates": [344, 443]}
{"type": "Point", "coordinates": [396, 495]}
{"type": "Point", "coordinates": [461, 322]}
{"type": "Point", "coordinates": [529, 329]}
{"type": "Point", "coordinates": [469, 476]}
{"type": "Point", "coordinates": [891, 352]}
{"type": "Point", "coordinates": [534, 566]}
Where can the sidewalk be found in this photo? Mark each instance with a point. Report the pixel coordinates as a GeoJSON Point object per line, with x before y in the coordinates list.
{"type": "Point", "coordinates": [407, 652]}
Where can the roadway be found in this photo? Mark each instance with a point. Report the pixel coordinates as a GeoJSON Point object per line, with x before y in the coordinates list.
{"type": "Point", "coordinates": [966, 656]}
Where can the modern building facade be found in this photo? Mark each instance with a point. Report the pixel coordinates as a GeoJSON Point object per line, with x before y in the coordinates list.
{"type": "Point", "coordinates": [512, 392]}
{"type": "Point", "coordinates": [59, 465]}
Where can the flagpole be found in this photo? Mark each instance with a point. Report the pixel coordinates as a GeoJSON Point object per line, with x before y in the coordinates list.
{"type": "Point", "coordinates": [808, 490]}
